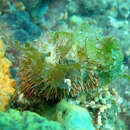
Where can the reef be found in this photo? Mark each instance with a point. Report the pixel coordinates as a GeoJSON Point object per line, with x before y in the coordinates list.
{"type": "Point", "coordinates": [6, 82]}
{"type": "Point", "coordinates": [69, 64]}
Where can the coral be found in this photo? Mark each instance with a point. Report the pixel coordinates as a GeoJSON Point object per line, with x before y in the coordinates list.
{"type": "Point", "coordinates": [70, 116]}
{"type": "Point", "coordinates": [104, 105]}
{"type": "Point", "coordinates": [124, 10]}
{"type": "Point", "coordinates": [121, 85]}
{"type": "Point", "coordinates": [6, 83]}
{"type": "Point", "coordinates": [26, 120]}
{"type": "Point", "coordinates": [19, 26]}
{"type": "Point", "coordinates": [88, 8]}
{"type": "Point", "coordinates": [36, 8]}
{"type": "Point", "coordinates": [67, 64]}
{"type": "Point", "coordinates": [73, 117]}
{"type": "Point", "coordinates": [31, 4]}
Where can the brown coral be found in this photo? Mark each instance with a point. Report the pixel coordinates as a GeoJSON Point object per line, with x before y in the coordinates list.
{"type": "Point", "coordinates": [6, 83]}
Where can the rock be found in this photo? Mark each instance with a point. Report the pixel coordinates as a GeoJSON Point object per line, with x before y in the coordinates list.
{"type": "Point", "coordinates": [15, 120]}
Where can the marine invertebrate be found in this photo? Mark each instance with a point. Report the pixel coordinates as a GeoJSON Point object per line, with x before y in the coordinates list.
{"type": "Point", "coordinates": [58, 69]}
{"type": "Point", "coordinates": [6, 83]}
{"type": "Point", "coordinates": [67, 64]}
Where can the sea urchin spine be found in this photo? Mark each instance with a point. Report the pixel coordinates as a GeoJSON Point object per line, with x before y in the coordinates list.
{"type": "Point", "coordinates": [60, 70]}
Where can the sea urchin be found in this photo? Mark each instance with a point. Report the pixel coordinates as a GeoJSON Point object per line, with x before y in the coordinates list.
{"type": "Point", "coordinates": [58, 68]}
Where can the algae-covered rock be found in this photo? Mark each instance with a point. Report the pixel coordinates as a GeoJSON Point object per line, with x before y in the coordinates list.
{"type": "Point", "coordinates": [73, 117]}
{"type": "Point", "coordinates": [15, 120]}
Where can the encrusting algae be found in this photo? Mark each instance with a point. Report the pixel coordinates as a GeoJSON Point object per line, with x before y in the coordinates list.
{"type": "Point", "coordinates": [6, 83]}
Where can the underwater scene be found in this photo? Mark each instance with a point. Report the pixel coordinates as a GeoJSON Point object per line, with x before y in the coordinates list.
{"type": "Point", "coordinates": [64, 64]}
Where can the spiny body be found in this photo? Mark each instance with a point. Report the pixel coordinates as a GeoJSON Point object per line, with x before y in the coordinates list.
{"type": "Point", "coordinates": [58, 68]}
